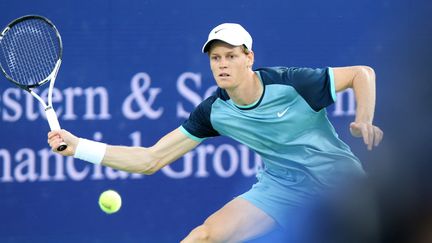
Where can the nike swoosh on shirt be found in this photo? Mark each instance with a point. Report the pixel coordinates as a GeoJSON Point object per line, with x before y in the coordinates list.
{"type": "Point", "coordinates": [280, 114]}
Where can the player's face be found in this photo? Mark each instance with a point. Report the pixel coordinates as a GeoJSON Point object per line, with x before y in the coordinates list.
{"type": "Point", "coordinates": [230, 64]}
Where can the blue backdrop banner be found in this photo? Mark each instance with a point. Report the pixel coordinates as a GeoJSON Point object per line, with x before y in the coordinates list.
{"type": "Point", "coordinates": [133, 71]}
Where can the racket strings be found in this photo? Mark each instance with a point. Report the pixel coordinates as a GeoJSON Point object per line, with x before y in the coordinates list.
{"type": "Point", "coordinates": [39, 72]}
{"type": "Point", "coordinates": [30, 49]}
{"type": "Point", "coordinates": [37, 61]}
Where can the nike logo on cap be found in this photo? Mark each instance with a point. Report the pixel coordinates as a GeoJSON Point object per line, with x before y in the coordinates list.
{"type": "Point", "coordinates": [280, 114]}
{"type": "Point", "coordinates": [218, 30]}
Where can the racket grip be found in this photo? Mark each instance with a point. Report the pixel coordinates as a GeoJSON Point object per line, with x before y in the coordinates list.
{"type": "Point", "coordinates": [52, 118]}
{"type": "Point", "coordinates": [54, 124]}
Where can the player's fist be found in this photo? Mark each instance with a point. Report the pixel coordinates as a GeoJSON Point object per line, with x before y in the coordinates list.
{"type": "Point", "coordinates": [372, 135]}
{"type": "Point", "coordinates": [56, 138]}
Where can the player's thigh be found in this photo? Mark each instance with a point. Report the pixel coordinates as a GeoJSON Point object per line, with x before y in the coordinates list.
{"type": "Point", "coordinates": [238, 220]}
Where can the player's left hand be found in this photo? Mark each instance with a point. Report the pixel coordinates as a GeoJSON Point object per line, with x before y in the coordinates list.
{"type": "Point", "coordinates": [372, 135]}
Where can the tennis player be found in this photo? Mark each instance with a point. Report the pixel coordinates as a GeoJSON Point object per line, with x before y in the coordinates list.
{"type": "Point", "coordinates": [279, 112]}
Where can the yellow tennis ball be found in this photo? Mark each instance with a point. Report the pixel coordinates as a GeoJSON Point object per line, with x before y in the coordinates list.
{"type": "Point", "coordinates": [110, 201]}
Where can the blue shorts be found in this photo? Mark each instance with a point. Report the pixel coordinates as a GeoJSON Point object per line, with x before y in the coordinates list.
{"type": "Point", "coordinates": [283, 193]}
{"type": "Point", "coordinates": [309, 211]}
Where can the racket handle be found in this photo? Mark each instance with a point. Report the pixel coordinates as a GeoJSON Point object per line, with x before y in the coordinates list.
{"type": "Point", "coordinates": [52, 118]}
{"type": "Point", "coordinates": [54, 124]}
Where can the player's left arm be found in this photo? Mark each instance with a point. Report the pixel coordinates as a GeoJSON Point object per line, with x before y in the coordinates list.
{"type": "Point", "coordinates": [362, 80]}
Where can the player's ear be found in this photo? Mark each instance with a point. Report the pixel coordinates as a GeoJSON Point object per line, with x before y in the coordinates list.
{"type": "Point", "coordinates": [251, 58]}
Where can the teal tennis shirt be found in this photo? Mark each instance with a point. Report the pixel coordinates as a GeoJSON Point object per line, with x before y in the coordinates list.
{"type": "Point", "coordinates": [288, 126]}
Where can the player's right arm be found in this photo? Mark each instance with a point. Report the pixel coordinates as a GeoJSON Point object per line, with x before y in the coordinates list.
{"type": "Point", "coordinates": [133, 159]}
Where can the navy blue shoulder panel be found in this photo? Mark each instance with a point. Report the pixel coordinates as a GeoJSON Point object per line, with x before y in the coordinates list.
{"type": "Point", "coordinates": [222, 94]}
{"type": "Point", "coordinates": [314, 85]}
{"type": "Point", "coordinates": [198, 124]}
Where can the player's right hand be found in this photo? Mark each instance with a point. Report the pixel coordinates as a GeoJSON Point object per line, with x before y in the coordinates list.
{"type": "Point", "coordinates": [372, 135]}
{"type": "Point", "coordinates": [59, 136]}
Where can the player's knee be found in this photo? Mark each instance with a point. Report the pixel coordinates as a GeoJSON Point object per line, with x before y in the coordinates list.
{"type": "Point", "coordinates": [201, 234]}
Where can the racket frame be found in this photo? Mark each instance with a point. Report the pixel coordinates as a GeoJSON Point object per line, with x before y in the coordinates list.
{"type": "Point", "coordinates": [48, 107]}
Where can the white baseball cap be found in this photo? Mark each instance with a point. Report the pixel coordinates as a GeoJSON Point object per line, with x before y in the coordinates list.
{"type": "Point", "coordinates": [233, 34]}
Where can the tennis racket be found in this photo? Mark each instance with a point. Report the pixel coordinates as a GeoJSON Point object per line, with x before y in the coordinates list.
{"type": "Point", "coordinates": [30, 56]}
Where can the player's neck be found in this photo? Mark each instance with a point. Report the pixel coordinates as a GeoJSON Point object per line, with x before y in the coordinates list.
{"type": "Point", "coordinates": [247, 92]}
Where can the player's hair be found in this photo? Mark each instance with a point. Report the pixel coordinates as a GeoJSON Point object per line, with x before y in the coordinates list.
{"type": "Point", "coordinates": [245, 50]}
